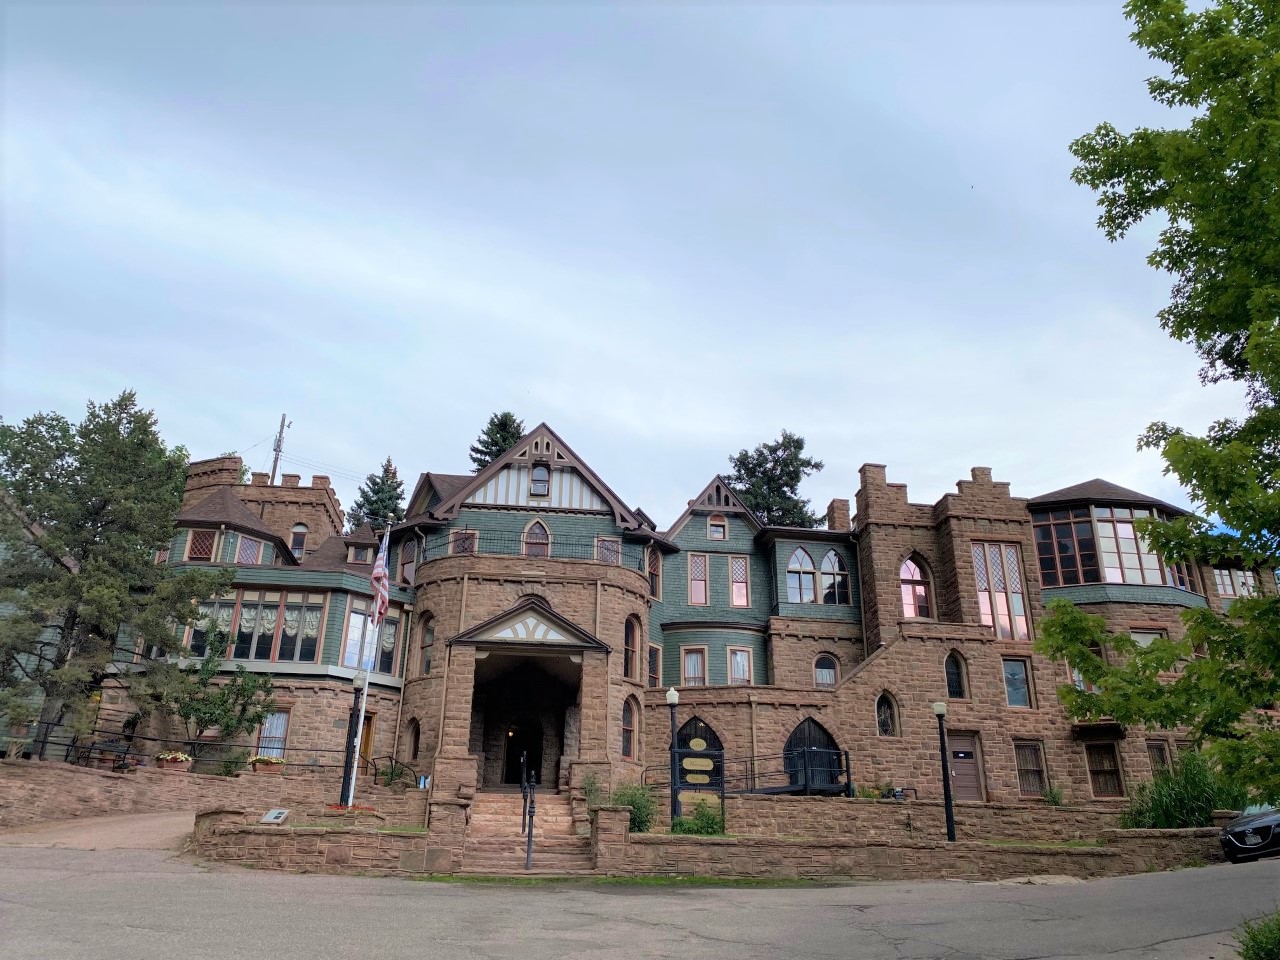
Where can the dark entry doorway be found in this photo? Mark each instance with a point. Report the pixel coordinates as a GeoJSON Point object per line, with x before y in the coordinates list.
{"type": "Point", "coordinates": [524, 737]}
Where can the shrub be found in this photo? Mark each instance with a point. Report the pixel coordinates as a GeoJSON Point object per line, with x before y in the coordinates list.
{"type": "Point", "coordinates": [592, 791]}
{"type": "Point", "coordinates": [1052, 796]}
{"type": "Point", "coordinates": [705, 822]}
{"type": "Point", "coordinates": [640, 799]}
{"type": "Point", "coordinates": [1183, 796]}
{"type": "Point", "coordinates": [1260, 941]}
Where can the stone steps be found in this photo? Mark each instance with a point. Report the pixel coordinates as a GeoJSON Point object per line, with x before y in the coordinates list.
{"type": "Point", "coordinates": [496, 856]}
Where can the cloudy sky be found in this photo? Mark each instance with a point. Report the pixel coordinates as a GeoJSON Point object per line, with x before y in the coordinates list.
{"type": "Point", "coordinates": [668, 230]}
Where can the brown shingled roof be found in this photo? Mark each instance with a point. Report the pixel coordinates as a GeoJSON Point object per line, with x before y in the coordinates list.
{"type": "Point", "coordinates": [331, 557]}
{"type": "Point", "coordinates": [447, 484]}
{"type": "Point", "coordinates": [1098, 490]}
{"type": "Point", "coordinates": [362, 536]}
{"type": "Point", "coordinates": [222, 507]}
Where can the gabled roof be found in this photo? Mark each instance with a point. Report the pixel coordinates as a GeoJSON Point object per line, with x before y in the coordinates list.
{"type": "Point", "coordinates": [443, 485]}
{"type": "Point", "coordinates": [223, 508]}
{"type": "Point", "coordinates": [1102, 491]}
{"type": "Point", "coordinates": [363, 535]}
{"type": "Point", "coordinates": [526, 450]}
{"type": "Point", "coordinates": [531, 623]}
{"type": "Point", "coordinates": [716, 497]}
{"type": "Point", "coordinates": [331, 557]}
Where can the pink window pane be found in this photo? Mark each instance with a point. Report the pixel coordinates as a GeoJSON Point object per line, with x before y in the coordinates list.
{"type": "Point", "coordinates": [739, 594]}
{"type": "Point", "coordinates": [984, 608]}
{"type": "Point", "coordinates": [698, 592]}
{"type": "Point", "coordinates": [1003, 630]}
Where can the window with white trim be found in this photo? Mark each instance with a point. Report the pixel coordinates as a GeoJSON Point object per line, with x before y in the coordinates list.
{"type": "Point", "coordinates": [1235, 583]}
{"type": "Point", "coordinates": [694, 660]}
{"type": "Point", "coordinates": [717, 527]}
{"type": "Point", "coordinates": [739, 666]}
{"type": "Point", "coordinates": [537, 540]}
{"type": "Point", "coordinates": [835, 579]}
{"type": "Point", "coordinates": [800, 577]}
{"type": "Point", "coordinates": [609, 550]}
{"type": "Point", "coordinates": [826, 671]}
{"type": "Point", "coordinates": [298, 539]}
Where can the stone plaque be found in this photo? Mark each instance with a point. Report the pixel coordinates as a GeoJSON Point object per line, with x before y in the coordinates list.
{"type": "Point", "coordinates": [277, 815]}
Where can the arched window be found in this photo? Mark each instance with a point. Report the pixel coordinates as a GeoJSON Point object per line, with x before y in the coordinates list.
{"type": "Point", "coordinates": [426, 637]}
{"type": "Point", "coordinates": [800, 577]}
{"type": "Point", "coordinates": [629, 728]}
{"type": "Point", "coordinates": [414, 738]}
{"type": "Point", "coordinates": [539, 481]}
{"type": "Point", "coordinates": [537, 540]}
{"type": "Point", "coordinates": [812, 757]}
{"type": "Point", "coordinates": [655, 573]}
{"type": "Point", "coordinates": [630, 648]}
{"type": "Point", "coordinates": [698, 736]}
{"type": "Point", "coordinates": [835, 579]}
{"type": "Point", "coordinates": [408, 558]}
{"type": "Point", "coordinates": [826, 671]}
{"type": "Point", "coordinates": [915, 589]}
{"type": "Point", "coordinates": [887, 716]}
{"type": "Point", "coordinates": [298, 539]}
{"type": "Point", "coordinates": [957, 688]}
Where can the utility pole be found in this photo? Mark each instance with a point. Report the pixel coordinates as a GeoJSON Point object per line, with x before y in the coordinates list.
{"type": "Point", "coordinates": [278, 446]}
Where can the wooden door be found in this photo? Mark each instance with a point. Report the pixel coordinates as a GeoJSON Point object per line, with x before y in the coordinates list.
{"type": "Point", "coordinates": [966, 770]}
{"type": "Point", "coordinates": [366, 743]}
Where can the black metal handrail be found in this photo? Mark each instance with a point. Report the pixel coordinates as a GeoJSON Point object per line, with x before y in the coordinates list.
{"type": "Point", "coordinates": [391, 766]}
{"type": "Point", "coordinates": [469, 542]}
{"type": "Point", "coordinates": [528, 806]}
{"type": "Point", "coordinates": [807, 771]}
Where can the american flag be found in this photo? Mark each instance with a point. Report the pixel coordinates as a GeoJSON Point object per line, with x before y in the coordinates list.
{"type": "Point", "coordinates": [379, 581]}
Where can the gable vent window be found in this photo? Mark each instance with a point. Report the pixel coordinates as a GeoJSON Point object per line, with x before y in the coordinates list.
{"type": "Point", "coordinates": [717, 528]}
{"type": "Point", "coordinates": [540, 481]}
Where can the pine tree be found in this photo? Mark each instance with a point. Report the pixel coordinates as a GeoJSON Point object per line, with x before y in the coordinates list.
{"type": "Point", "coordinates": [380, 496]}
{"type": "Point", "coordinates": [767, 481]}
{"type": "Point", "coordinates": [499, 435]}
{"type": "Point", "coordinates": [83, 510]}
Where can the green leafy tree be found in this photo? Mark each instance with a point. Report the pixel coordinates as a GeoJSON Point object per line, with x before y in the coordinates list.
{"type": "Point", "coordinates": [1215, 183]}
{"type": "Point", "coordinates": [83, 509]}
{"type": "Point", "coordinates": [203, 699]}
{"type": "Point", "coordinates": [499, 435]}
{"type": "Point", "coordinates": [381, 496]}
{"type": "Point", "coordinates": [767, 480]}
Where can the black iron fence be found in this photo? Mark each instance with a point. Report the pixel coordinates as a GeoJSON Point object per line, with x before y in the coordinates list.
{"type": "Point", "coordinates": [465, 542]}
{"type": "Point", "coordinates": [806, 772]}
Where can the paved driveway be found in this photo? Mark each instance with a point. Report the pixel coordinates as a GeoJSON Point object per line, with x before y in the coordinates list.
{"type": "Point", "coordinates": [148, 904]}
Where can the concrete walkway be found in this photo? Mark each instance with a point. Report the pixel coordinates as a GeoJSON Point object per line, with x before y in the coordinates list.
{"type": "Point", "coordinates": [151, 831]}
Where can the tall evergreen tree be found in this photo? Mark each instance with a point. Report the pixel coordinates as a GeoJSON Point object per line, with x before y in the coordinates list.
{"type": "Point", "coordinates": [381, 496]}
{"type": "Point", "coordinates": [499, 435]}
{"type": "Point", "coordinates": [83, 510]}
{"type": "Point", "coordinates": [767, 480]}
{"type": "Point", "coordinates": [1213, 184]}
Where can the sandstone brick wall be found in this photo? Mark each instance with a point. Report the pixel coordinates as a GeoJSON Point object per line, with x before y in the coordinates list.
{"type": "Point", "coordinates": [37, 791]}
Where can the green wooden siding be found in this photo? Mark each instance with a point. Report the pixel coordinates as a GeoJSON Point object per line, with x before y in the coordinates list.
{"type": "Point", "coordinates": [817, 549]}
{"type": "Point", "coordinates": [1124, 593]}
{"type": "Point", "coordinates": [334, 625]}
{"type": "Point", "coordinates": [230, 542]}
{"type": "Point", "coordinates": [717, 643]}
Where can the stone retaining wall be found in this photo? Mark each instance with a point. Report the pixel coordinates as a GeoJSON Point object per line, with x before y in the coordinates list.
{"type": "Point", "coordinates": [35, 791]}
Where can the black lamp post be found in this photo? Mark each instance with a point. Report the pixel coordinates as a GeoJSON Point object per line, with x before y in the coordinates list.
{"type": "Point", "coordinates": [349, 755]}
{"type": "Point", "coordinates": [940, 711]}
{"type": "Point", "coordinates": [673, 698]}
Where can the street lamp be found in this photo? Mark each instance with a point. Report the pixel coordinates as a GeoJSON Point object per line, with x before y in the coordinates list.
{"type": "Point", "coordinates": [940, 711]}
{"type": "Point", "coordinates": [673, 698]}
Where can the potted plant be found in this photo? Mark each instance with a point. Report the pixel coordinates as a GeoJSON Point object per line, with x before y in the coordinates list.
{"type": "Point", "coordinates": [173, 760]}
{"type": "Point", "coordinates": [263, 764]}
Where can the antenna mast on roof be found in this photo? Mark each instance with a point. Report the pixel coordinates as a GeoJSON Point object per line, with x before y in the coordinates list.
{"type": "Point", "coordinates": [278, 446]}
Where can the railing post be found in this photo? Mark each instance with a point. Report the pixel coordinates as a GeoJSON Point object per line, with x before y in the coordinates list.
{"type": "Point", "coordinates": [528, 837]}
{"type": "Point", "coordinates": [848, 776]}
{"type": "Point", "coordinates": [524, 791]}
{"type": "Point", "coordinates": [806, 754]}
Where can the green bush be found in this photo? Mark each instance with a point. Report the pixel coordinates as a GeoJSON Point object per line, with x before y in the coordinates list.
{"type": "Point", "coordinates": [1260, 941]}
{"type": "Point", "coordinates": [1183, 796]}
{"type": "Point", "coordinates": [705, 822]}
{"type": "Point", "coordinates": [640, 799]}
{"type": "Point", "coordinates": [1052, 796]}
{"type": "Point", "coordinates": [592, 791]}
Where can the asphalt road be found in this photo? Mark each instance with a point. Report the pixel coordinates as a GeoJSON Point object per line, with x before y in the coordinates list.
{"type": "Point", "coordinates": [124, 901]}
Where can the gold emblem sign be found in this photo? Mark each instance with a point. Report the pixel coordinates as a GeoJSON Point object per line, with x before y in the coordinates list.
{"type": "Point", "coordinates": [697, 743]}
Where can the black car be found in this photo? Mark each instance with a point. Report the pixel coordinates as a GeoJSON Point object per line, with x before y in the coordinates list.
{"type": "Point", "coordinates": [1255, 833]}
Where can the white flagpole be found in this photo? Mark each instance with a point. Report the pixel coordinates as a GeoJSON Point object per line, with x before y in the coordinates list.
{"type": "Point", "coordinates": [360, 670]}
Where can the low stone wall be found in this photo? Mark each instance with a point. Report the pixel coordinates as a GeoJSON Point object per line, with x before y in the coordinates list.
{"type": "Point", "coordinates": [35, 791]}
{"type": "Point", "coordinates": [897, 820]}
{"type": "Point", "coordinates": [235, 836]}
{"type": "Point", "coordinates": [621, 854]}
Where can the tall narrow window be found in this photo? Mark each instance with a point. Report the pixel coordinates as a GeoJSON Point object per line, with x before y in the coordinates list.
{"type": "Point", "coordinates": [256, 631]}
{"type": "Point", "coordinates": [739, 666]}
{"type": "Point", "coordinates": [739, 589]}
{"type": "Point", "coordinates": [388, 634]}
{"type": "Point", "coordinates": [628, 728]}
{"type": "Point", "coordinates": [915, 589]}
{"type": "Point", "coordinates": [655, 573]}
{"type": "Point", "coordinates": [539, 481]}
{"type": "Point", "coordinates": [826, 671]}
{"type": "Point", "coordinates": [655, 666]}
{"type": "Point", "coordinates": [630, 648]}
{"type": "Point", "coordinates": [835, 579]}
{"type": "Point", "coordinates": [537, 540]}
{"type": "Point", "coordinates": [957, 689]}
{"type": "Point", "coordinates": [1126, 555]}
{"type": "Point", "coordinates": [298, 539]}
{"type": "Point", "coordinates": [1017, 683]}
{"type": "Point", "coordinates": [273, 733]}
{"type": "Point", "coordinates": [1158, 754]}
{"type": "Point", "coordinates": [887, 716]}
{"type": "Point", "coordinates": [800, 577]}
{"type": "Point", "coordinates": [201, 545]}
{"type": "Point", "coordinates": [300, 627]}
{"type": "Point", "coordinates": [698, 579]}
{"type": "Point", "coordinates": [695, 666]}
{"type": "Point", "coordinates": [1077, 677]}
{"type": "Point", "coordinates": [717, 527]}
{"type": "Point", "coordinates": [1104, 769]}
{"type": "Point", "coordinates": [408, 559]}
{"type": "Point", "coordinates": [1029, 756]}
{"type": "Point", "coordinates": [213, 615]}
{"type": "Point", "coordinates": [351, 649]}
{"type": "Point", "coordinates": [415, 738]}
{"type": "Point", "coordinates": [1001, 603]}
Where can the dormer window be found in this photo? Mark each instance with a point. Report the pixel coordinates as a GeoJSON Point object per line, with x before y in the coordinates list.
{"type": "Point", "coordinates": [298, 539]}
{"type": "Point", "coordinates": [359, 554]}
{"type": "Point", "coordinates": [540, 481]}
{"type": "Point", "coordinates": [717, 528]}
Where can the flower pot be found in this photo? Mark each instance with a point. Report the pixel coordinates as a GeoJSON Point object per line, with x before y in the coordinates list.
{"type": "Point", "coordinates": [268, 768]}
{"type": "Point", "coordinates": [183, 765]}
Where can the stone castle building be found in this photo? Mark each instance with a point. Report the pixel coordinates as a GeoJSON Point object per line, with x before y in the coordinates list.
{"type": "Point", "coordinates": [533, 613]}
